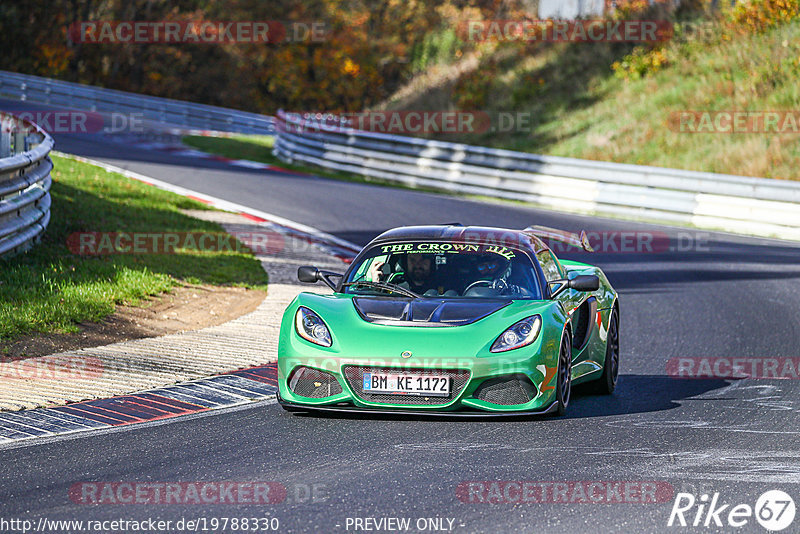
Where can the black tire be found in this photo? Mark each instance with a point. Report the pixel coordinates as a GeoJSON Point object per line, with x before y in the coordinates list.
{"type": "Point", "coordinates": [608, 381]}
{"type": "Point", "coordinates": [564, 380]}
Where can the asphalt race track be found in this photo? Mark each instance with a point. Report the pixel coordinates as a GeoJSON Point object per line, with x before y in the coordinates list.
{"type": "Point", "coordinates": [707, 295]}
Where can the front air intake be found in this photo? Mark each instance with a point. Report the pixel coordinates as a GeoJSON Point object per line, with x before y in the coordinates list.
{"type": "Point", "coordinates": [313, 383]}
{"type": "Point", "coordinates": [506, 390]}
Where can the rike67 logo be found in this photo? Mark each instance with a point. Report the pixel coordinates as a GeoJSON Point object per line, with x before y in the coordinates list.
{"type": "Point", "coordinates": [774, 510]}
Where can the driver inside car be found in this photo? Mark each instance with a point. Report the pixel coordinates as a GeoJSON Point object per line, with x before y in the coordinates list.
{"type": "Point", "coordinates": [419, 274]}
{"type": "Point", "coordinates": [492, 278]}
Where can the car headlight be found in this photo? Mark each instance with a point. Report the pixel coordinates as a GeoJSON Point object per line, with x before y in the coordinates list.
{"type": "Point", "coordinates": [518, 335]}
{"type": "Point", "coordinates": [311, 327]}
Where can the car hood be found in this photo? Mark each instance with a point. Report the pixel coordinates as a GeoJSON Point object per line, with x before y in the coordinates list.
{"type": "Point", "coordinates": [426, 311]}
{"type": "Point", "coordinates": [357, 336]}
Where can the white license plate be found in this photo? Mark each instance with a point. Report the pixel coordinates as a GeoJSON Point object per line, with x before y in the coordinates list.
{"type": "Point", "coordinates": [406, 384]}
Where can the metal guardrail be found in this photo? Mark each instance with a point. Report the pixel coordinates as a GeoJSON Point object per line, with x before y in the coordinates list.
{"type": "Point", "coordinates": [24, 184]}
{"type": "Point", "coordinates": [753, 206]}
{"type": "Point", "coordinates": [175, 113]}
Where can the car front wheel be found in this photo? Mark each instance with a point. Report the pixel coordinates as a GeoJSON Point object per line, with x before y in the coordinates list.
{"type": "Point", "coordinates": [564, 386]}
{"type": "Point", "coordinates": [608, 381]}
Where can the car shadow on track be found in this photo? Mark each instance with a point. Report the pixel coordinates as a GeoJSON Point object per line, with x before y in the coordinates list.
{"type": "Point", "coordinates": [639, 394]}
{"type": "Point", "coordinates": [634, 394]}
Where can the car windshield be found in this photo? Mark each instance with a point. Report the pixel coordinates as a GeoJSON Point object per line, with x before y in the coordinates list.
{"type": "Point", "coordinates": [442, 269]}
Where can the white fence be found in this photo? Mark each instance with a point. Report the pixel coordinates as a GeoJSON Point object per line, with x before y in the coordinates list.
{"type": "Point", "coordinates": [24, 184]}
{"type": "Point", "coordinates": [571, 9]}
{"type": "Point", "coordinates": [754, 206]}
{"type": "Point", "coordinates": [166, 112]}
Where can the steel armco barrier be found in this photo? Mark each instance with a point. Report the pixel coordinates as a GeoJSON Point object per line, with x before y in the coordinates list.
{"type": "Point", "coordinates": [24, 184]}
{"type": "Point", "coordinates": [174, 113]}
{"type": "Point", "coordinates": [753, 206]}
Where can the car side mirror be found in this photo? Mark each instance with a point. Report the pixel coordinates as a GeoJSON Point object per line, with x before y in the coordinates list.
{"type": "Point", "coordinates": [308, 274]}
{"type": "Point", "coordinates": [584, 282]}
{"type": "Point", "coordinates": [311, 275]}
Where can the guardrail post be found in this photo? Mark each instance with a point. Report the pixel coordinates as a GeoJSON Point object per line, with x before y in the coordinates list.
{"type": "Point", "coordinates": [5, 141]}
{"type": "Point", "coordinates": [20, 144]}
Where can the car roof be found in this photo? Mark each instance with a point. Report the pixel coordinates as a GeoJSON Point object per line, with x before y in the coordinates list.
{"type": "Point", "coordinates": [455, 232]}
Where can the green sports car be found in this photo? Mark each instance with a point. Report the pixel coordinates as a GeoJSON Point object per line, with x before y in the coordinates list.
{"type": "Point", "coordinates": [451, 319]}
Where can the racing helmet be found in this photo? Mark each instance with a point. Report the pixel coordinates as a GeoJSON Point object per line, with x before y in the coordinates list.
{"type": "Point", "coordinates": [493, 267]}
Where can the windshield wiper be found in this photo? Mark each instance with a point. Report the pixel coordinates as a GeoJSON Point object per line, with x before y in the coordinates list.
{"type": "Point", "coordinates": [392, 288]}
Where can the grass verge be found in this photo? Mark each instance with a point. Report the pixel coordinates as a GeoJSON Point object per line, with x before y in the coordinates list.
{"type": "Point", "coordinates": [623, 103]}
{"type": "Point", "coordinates": [249, 147]}
{"type": "Point", "coordinates": [620, 103]}
{"type": "Point", "coordinates": [50, 289]}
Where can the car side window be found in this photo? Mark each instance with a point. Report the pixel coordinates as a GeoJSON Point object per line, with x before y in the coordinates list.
{"type": "Point", "coordinates": [549, 266]}
{"type": "Point", "coordinates": [364, 272]}
{"type": "Point", "coordinates": [561, 270]}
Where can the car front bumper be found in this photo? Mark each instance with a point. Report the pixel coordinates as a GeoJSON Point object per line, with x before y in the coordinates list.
{"type": "Point", "coordinates": [349, 408]}
{"type": "Point", "coordinates": [470, 380]}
